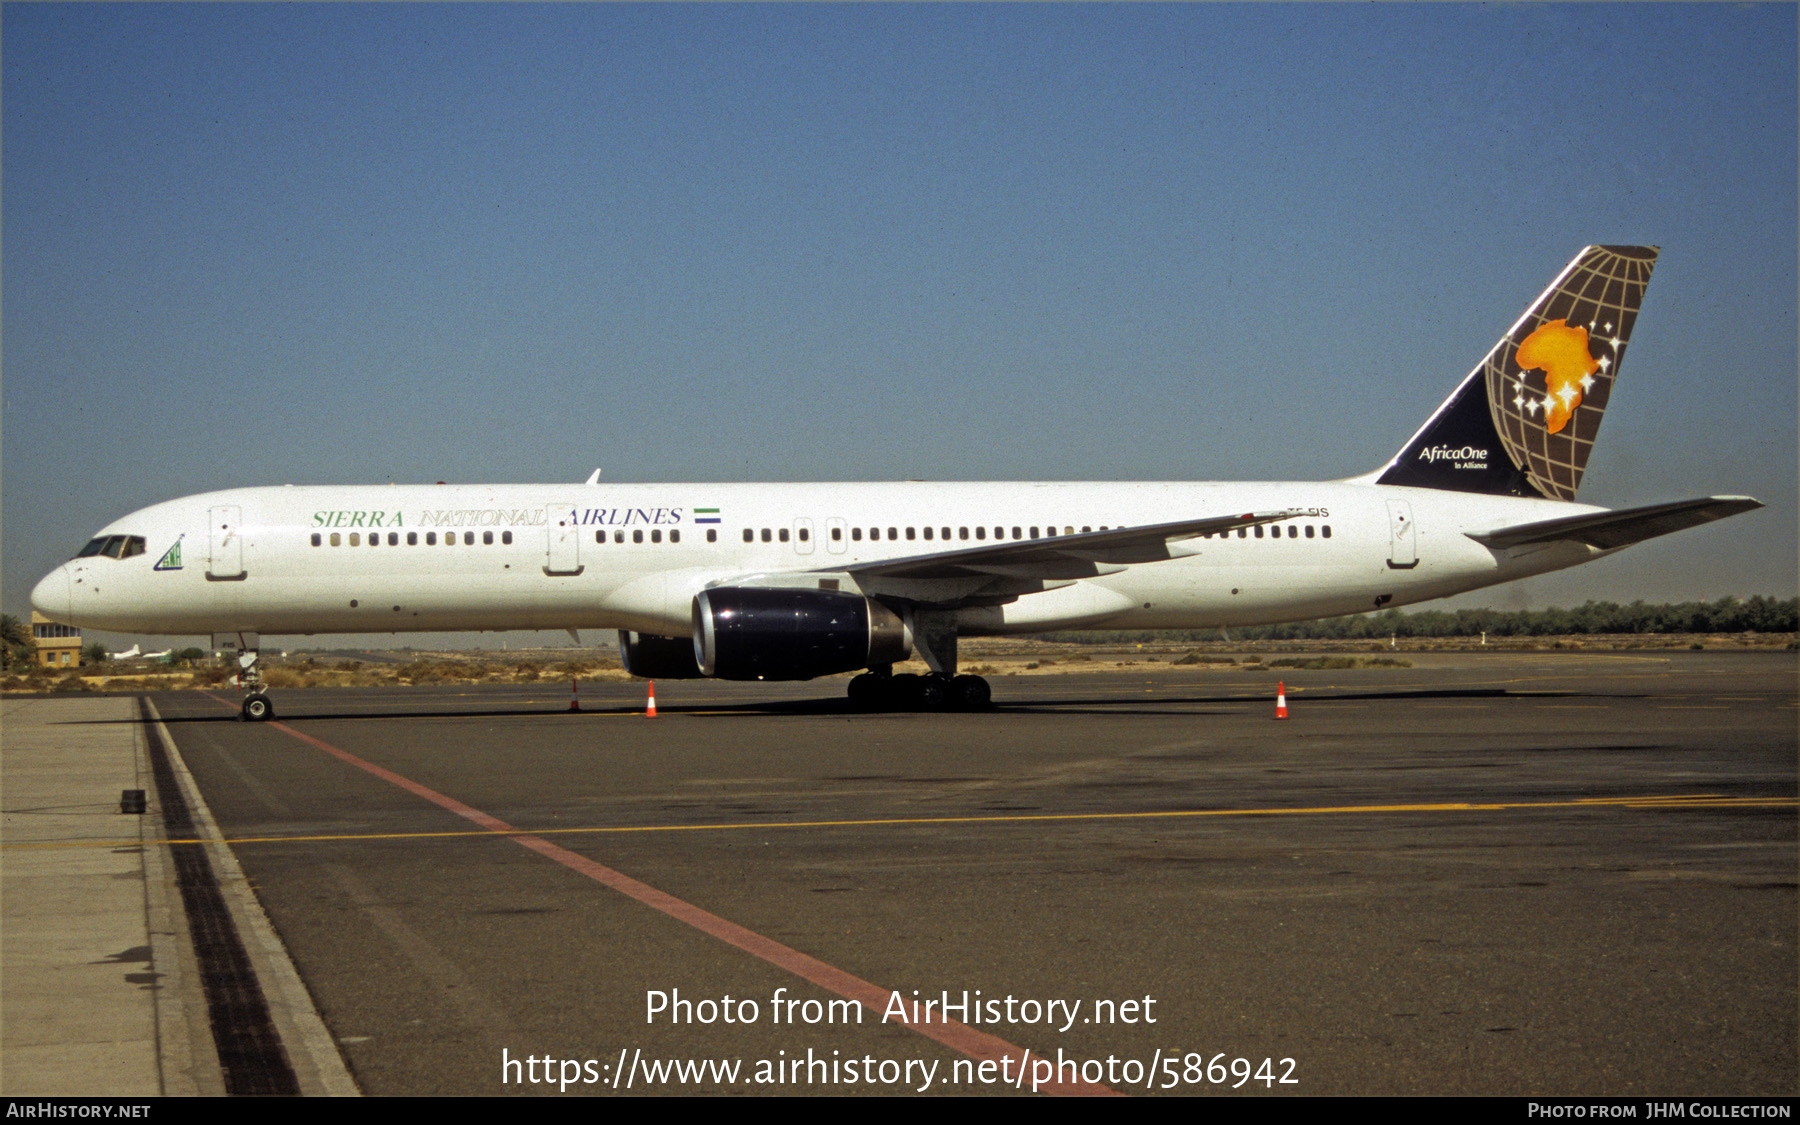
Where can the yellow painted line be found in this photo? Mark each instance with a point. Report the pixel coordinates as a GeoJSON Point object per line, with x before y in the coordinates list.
{"type": "Point", "coordinates": [1690, 800]}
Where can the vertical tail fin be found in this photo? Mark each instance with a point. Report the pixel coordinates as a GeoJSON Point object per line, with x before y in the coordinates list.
{"type": "Point", "coordinates": [1525, 419]}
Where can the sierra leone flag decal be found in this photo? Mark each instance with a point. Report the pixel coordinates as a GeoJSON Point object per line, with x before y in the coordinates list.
{"type": "Point", "coordinates": [706, 515]}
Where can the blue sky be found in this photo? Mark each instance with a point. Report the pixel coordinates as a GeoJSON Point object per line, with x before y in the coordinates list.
{"type": "Point", "coordinates": [260, 244]}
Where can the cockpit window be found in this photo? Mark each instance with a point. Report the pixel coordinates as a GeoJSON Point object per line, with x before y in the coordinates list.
{"type": "Point", "coordinates": [113, 546]}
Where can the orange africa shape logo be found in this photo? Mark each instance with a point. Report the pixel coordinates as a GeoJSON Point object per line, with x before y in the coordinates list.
{"type": "Point", "coordinates": [1562, 353]}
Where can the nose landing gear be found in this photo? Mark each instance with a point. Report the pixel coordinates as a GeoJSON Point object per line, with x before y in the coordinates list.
{"type": "Point", "coordinates": [258, 707]}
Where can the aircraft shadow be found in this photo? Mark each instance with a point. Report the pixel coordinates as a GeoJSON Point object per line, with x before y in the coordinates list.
{"type": "Point", "coordinates": [837, 705]}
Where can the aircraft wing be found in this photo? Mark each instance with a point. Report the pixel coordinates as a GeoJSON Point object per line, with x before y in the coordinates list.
{"type": "Point", "coordinates": [1082, 555]}
{"type": "Point", "coordinates": [998, 572]}
{"type": "Point", "coordinates": [1610, 530]}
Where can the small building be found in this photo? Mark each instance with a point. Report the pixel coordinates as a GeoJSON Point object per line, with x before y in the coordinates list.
{"type": "Point", "coordinates": [58, 646]}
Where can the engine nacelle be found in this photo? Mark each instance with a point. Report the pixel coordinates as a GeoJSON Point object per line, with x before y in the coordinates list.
{"type": "Point", "coordinates": [658, 658]}
{"type": "Point", "coordinates": [758, 633]}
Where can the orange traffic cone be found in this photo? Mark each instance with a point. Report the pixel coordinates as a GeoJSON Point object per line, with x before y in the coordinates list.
{"type": "Point", "coordinates": [574, 695]}
{"type": "Point", "coordinates": [1280, 700]}
{"type": "Point", "coordinates": [650, 711]}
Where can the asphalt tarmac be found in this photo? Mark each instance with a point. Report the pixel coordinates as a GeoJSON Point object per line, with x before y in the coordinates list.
{"type": "Point", "coordinates": [1548, 874]}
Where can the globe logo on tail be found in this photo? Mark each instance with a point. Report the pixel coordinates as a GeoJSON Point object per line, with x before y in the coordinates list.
{"type": "Point", "coordinates": [1561, 353]}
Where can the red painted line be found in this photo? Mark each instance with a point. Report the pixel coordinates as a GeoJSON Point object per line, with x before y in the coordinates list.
{"type": "Point", "coordinates": [978, 1045]}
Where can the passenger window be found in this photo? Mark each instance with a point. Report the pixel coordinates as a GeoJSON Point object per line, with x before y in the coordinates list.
{"type": "Point", "coordinates": [893, 534]}
{"type": "Point", "coordinates": [981, 533]}
{"type": "Point", "coordinates": [837, 535]}
{"type": "Point", "coordinates": [336, 539]}
{"type": "Point", "coordinates": [928, 533]}
{"type": "Point", "coordinates": [962, 533]}
{"type": "Point", "coordinates": [1327, 531]}
{"type": "Point", "coordinates": [856, 535]}
{"type": "Point", "coordinates": [637, 536]}
{"type": "Point", "coordinates": [356, 538]}
{"type": "Point", "coordinates": [782, 534]}
{"type": "Point", "coordinates": [946, 534]}
{"type": "Point", "coordinates": [600, 537]}
{"type": "Point", "coordinates": [317, 539]}
{"type": "Point", "coordinates": [909, 533]}
{"type": "Point", "coordinates": [430, 538]}
{"type": "Point", "coordinates": [1259, 531]}
{"type": "Point", "coordinates": [675, 536]}
{"type": "Point", "coordinates": [1243, 533]}
{"type": "Point", "coordinates": [412, 539]}
{"type": "Point", "coordinates": [805, 535]}
{"type": "Point", "coordinates": [1016, 534]}
{"type": "Point", "coordinates": [487, 539]}
{"type": "Point", "coordinates": [656, 535]}
{"type": "Point", "coordinates": [749, 536]}
{"type": "Point", "coordinates": [618, 537]}
{"type": "Point", "coordinates": [506, 538]}
{"type": "Point", "coordinates": [712, 535]}
{"type": "Point", "coordinates": [766, 537]}
{"type": "Point", "coordinates": [468, 538]}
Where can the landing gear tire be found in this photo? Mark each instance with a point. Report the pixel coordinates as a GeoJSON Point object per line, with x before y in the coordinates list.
{"type": "Point", "coordinates": [258, 708]}
{"type": "Point", "coordinates": [868, 692]}
{"type": "Point", "coordinates": [934, 694]}
{"type": "Point", "coordinates": [903, 692]}
{"type": "Point", "coordinates": [908, 692]}
{"type": "Point", "coordinates": [971, 693]}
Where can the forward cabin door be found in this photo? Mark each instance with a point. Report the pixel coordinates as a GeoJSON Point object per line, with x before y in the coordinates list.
{"type": "Point", "coordinates": [225, 542]}
{"type": "Point", "coordinates": [1403, 546]}
{"type": "Point", "coordinates": [562, 551]}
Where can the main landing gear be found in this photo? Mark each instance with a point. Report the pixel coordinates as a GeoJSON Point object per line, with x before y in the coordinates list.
{"type": "Point", "coordinates": [880, 690]}
{"type": "Point", "coordinates": [258, 707]}
{"type": "Point", "coordinates": [934, 635]}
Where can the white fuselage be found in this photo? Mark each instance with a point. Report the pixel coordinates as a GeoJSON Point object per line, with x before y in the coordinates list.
{"type": "Point", "coordinates": [299, 560]}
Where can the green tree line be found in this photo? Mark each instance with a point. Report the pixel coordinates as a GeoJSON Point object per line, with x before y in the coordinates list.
{"type": "Point", "coordinates": [1728, 615]}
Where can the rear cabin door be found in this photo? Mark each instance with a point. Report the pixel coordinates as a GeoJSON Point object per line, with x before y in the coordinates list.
{"type": "Point", "coordinates": [1403, 546]}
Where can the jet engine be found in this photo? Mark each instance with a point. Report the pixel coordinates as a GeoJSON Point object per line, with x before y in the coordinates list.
{"type": "Point", "coordinates": [658, 658]}
{"type": "Point", "coordinates": [758, 633]}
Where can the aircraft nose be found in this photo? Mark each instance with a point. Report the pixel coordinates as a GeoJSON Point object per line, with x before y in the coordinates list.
{"type": "Point", "coordinates": [52, 596]}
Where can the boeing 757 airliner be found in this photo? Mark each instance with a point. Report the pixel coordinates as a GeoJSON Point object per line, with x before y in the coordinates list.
{"type": "Point", "coordinates": [795, 581]}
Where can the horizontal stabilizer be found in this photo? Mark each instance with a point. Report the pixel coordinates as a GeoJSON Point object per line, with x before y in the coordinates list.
{"type": "Point", "coordinates": [1607, 531]}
